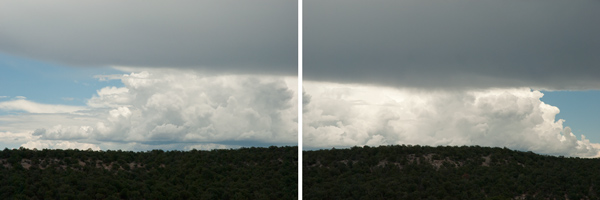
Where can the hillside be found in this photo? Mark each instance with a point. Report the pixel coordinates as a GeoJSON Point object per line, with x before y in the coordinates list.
{"type": "Point", "coordinates": [421, 172]}
{"type": "Point", "coordinates": [246, 173]}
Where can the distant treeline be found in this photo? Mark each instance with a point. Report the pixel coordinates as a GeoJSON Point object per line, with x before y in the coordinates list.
{"type": "Point", "coordinates": [246, 173]}
{"type": "Point", "coordinates": [467, 172]}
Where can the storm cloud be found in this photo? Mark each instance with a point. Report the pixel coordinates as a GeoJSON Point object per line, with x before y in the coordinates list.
{"type": "Point", "coordinates": [223, 36]}
{"type": "Point", "coordinates": [454, 44]}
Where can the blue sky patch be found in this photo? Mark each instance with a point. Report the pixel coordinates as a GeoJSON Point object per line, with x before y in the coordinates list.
{"type": "Point", "coordinates": [48, 83]}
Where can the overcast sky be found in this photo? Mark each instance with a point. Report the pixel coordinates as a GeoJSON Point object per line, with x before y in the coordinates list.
{"type": "Point", "coordinates": [450, 73]}
{"type": "Point", "coordinates": [549, 44]}
{"type": "Point", "coordinates": [221, 35]}
{"type": "Point", "coordinates": [141, 75]}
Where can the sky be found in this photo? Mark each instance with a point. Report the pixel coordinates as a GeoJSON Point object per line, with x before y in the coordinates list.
{"type": "Point", "coordinates": [515, 74]}
{"type": "Point", "coordinates": [144, 75]}
{"type": "Point", "coordinates": [223, 74]}
{"type": "Point", "coordinates": [579, 109]}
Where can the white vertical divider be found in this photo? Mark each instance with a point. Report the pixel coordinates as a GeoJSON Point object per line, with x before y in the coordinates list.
{"type": "Point", "coordinates": [299, 99]}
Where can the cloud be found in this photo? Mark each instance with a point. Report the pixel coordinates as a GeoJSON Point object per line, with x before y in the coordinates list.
{"type": "Point", "coordinates": [453, 44]}
{"type": "Point", "coordinates": [108, 77]}
{"type": "Point", "coordinates": [49, 144]}
{"type": "Point", "coordinates": [210, 146]}
{"type": "Point", "coordinates": [110, 97]}
{"type": "Point", "coordinates": [344, 115]}
{"type": "Point", "coordinates": [12, 139]}
{"type": "Point", "coordinates": [21, 104]}
{"type": "Point", "coordinates": [60, 132]}
{"type": "Point", "coordinates": [177, 109]}
{"type": "Point", "coordinates": [446, 72]}
{"type": "Point", "coordinates": [224, 36]}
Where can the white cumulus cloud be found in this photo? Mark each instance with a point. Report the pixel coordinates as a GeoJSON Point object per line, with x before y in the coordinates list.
{"type": "Point", "coordinates": [210, 146]}
{"type": "Point", "coordinates": [184, 109]}
{"type": "Point", "coordinates": [343, 115]}
{"type": "Point", "coordinates": [50, 144]}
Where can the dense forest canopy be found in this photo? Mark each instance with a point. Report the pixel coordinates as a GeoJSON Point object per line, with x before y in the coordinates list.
{"type": "Point", "coordinates": [245, 173]}
{"type": "Point", "coordinates": [467, 172]}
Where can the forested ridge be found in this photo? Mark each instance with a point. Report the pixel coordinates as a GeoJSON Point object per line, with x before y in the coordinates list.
{"type": "Point", "coordinates": [467, 172]}
{"type": "Point", "coordinates": [245, 173]}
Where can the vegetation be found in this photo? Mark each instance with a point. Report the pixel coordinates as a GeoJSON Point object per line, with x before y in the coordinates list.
{"type": "Point", "coordinates": [246, 173]}
{"type": "Point", "coordinates": [421, 172]}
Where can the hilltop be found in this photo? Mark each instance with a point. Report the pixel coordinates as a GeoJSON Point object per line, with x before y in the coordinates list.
{"type": "Point", "coordinates": [467, 172]}
{"type": "Point", "coordinates": [246, 173]}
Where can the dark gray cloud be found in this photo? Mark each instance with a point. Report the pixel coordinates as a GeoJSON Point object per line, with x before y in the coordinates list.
{"type": "Point", "coordinates": [223, 35]}
{"type": "Point", "coordinates": [549, 44]}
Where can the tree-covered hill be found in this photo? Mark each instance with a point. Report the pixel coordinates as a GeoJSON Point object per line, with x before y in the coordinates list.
{"type": "Point", "coordinates": [421, 172]}
{"type": "Point", "coordinates": [246, 173]}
